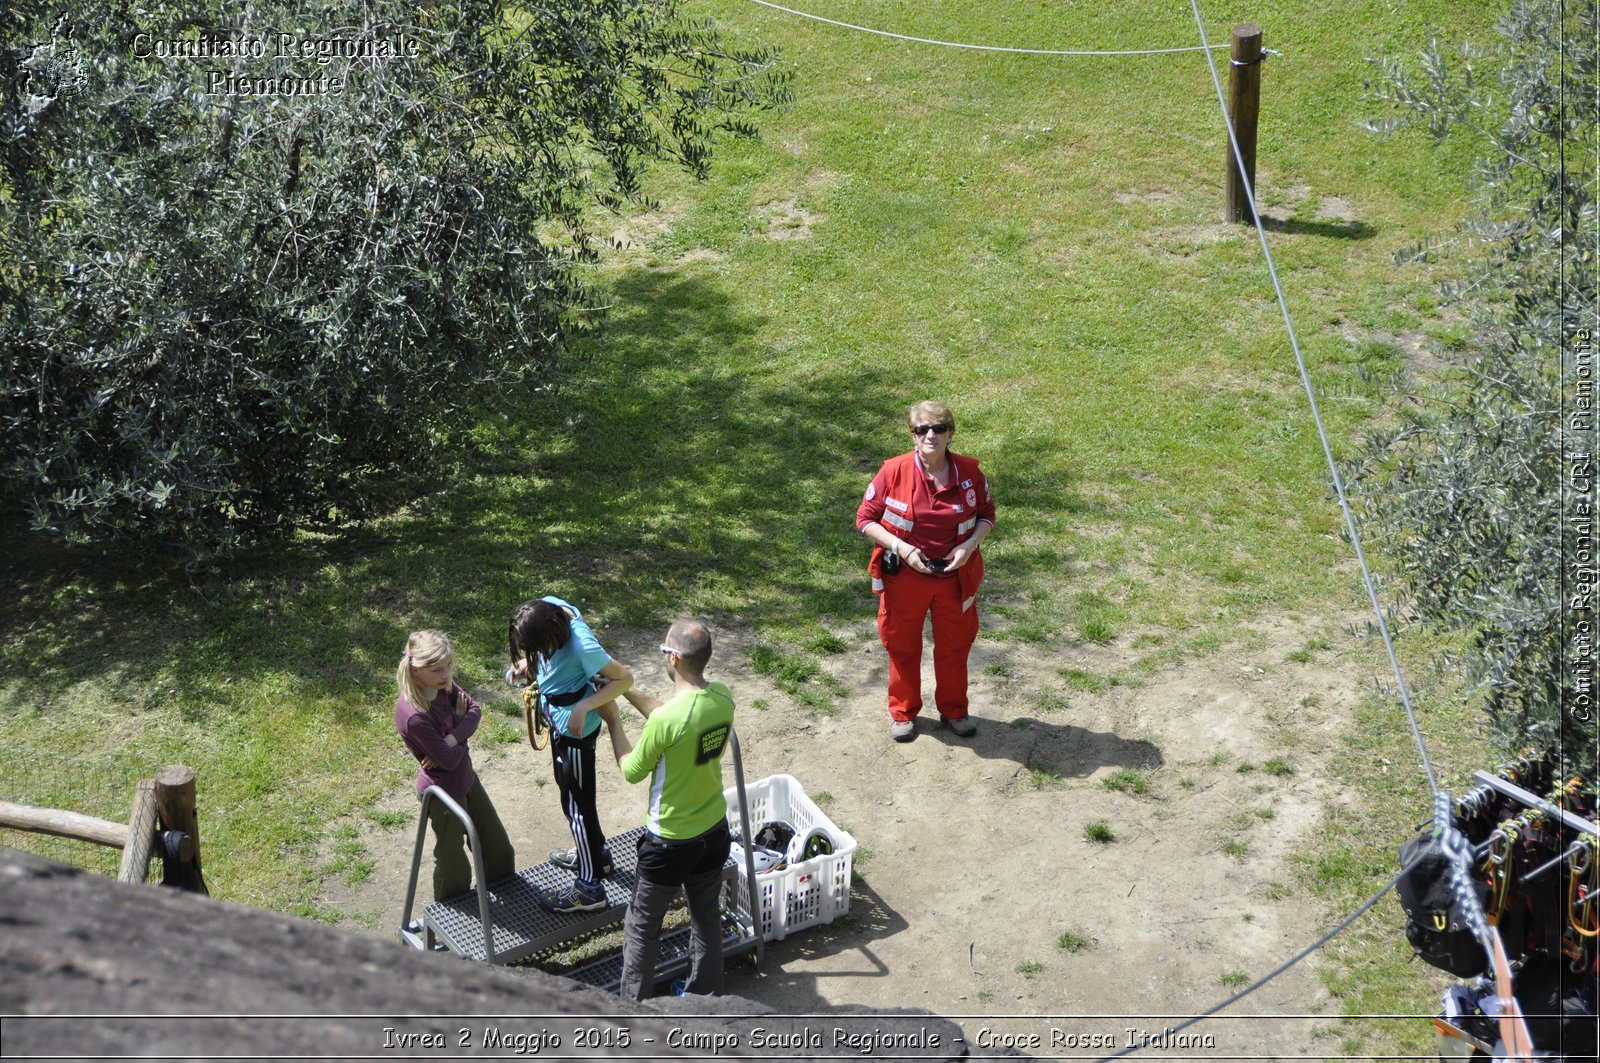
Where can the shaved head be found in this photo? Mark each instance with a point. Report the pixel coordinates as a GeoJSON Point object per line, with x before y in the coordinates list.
{"type": "Point", "coordinates": [693, 642]}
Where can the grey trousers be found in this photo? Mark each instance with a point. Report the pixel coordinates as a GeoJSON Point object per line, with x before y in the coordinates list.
{"type": "Point", "coordinates": [695, 867]}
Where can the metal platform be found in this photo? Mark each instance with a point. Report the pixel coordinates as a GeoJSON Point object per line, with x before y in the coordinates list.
{"type": "Point", "coordinates": [509, 924]}
{"type": "Point", "coordinates": [673, 957]}
{"type": "Point", "coordinates": [522, 927]}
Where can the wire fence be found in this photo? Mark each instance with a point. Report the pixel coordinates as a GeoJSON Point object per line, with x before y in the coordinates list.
{"type": "Point", "coordinates": [93, 784]}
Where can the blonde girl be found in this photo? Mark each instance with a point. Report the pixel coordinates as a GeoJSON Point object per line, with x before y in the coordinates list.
{"type": "Point", "coordinates": [435, 717]}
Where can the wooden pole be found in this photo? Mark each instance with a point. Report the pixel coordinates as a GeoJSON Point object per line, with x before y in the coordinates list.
{"type": "Point", "coordinates": [64, 824]}
{"type": "Point", "coordinates": [176, 804]}
{"type": "Point", "coordinates": [141, 834]}
{"type": "Point", "coordinates": [1244, 107]}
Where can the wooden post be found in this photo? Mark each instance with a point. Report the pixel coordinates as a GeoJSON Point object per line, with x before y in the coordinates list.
{"type": "Point", "coordinates": [1244, 107]}
{"type": "Point", "coordinates": [141, 834]}
{"type": "Point", "coordinates": [176, 804]}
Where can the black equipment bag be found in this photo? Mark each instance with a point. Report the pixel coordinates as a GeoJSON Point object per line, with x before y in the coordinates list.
{"type": "Point", "coordinates": [1435, 924]}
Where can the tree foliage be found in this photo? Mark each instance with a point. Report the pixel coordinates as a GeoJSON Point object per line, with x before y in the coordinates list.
{"type": "Point", "coordinates": [1475, 487]}
{"type": "Point", "coordinates": [246, 293]}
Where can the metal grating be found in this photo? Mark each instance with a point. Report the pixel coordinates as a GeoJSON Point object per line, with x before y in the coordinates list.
{"type": "Point", "coordinates": [522, 926]}
{"type": "Point", "coordinates": [673, 957]}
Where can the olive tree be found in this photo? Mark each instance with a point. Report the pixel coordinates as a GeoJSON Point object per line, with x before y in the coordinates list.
{"type": "Point", "coordinates": [1478, 489]}
{"type": "Point", "coordinates": [258, 262]}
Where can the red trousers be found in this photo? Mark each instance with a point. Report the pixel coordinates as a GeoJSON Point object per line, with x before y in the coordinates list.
{"type": "Point", "coordinates": [908, 597]}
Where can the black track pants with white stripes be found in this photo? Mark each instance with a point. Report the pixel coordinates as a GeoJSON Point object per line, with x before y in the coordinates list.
{"type": "Point", "coordinates": [572, 760]}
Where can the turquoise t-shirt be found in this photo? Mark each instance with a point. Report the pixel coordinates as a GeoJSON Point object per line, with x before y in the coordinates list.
{"type": "Point", "coordinates": [681, 748]}
{"type": "Point", "coordinates": [570, 668]}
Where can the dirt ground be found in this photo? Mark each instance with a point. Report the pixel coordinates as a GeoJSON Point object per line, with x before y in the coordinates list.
{"type": "Point", "coordinates": [973, 860]}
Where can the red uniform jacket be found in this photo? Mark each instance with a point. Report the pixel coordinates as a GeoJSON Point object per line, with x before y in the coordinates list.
{"type": "Point", "coordinates": [899, 499]}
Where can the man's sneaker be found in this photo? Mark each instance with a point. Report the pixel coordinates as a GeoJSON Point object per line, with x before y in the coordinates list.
{"type": "Point", "coordinates": [567, 860]}
{"type": "Point", "coordinates": [573, 899]}
{"type": "Point", "coordinates": [965, 726]}
{"type": "Point", "coordinates": [902, 730]}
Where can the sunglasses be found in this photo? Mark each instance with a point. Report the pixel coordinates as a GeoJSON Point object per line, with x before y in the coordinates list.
{"type": "Point", "coordinates": [668, 649]}
{"type": "Point", "coordinates": [937, 429]}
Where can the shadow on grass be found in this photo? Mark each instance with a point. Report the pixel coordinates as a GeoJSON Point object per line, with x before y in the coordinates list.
{"type": "Point", "coordinates": [681, 467]}
{"type": "Point", "coordinates": [1338, 229]}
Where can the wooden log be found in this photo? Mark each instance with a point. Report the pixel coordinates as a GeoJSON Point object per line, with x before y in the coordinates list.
{"type": "Point", "coordinates": [63, 824]}
{"type": "Point", "coordinates": [175, 801]}
{"type": "Point", "coordinates": [141, 834]}
{"type": "Point", "coordinates": [1244, 110]}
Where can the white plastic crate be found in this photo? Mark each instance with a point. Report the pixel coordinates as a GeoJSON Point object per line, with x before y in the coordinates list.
{"type": "Point", "coordinates": [806, 893]}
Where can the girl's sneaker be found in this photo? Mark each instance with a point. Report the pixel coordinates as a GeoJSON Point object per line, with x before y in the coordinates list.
{"type": "Point", "coordinates": [567, 860]}
{"type": "Point", "coordinates": [574, 899]}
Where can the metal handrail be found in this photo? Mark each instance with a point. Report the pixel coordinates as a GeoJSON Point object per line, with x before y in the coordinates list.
{"type": "Point", "coordinates": [433, 793]}
{"type": "Point", "coordinates": [1533, 800]}
{"type": "Point", "coordinates": [749, 852]}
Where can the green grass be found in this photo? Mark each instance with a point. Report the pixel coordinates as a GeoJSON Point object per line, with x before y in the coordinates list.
{"type": "Point", "coordinates": [1042, 776]}
{"type": "Point", "coordinates": [389, 819]}
{"type": "Point", "coordinates": [1233, 979]}
{"type": "Point", "coordinates": [1309, 651]}
{"type": "Point", "coordinates": [1112, 352]}
{"type": "Point", "coordinates": [1128, 781]}
{"type": "Point", "coordinates": [1072, 941]}
{"type": "Point", "coordinates": [1089, 682]}
{"type": "Point", "coordinates": [1098, 831]}
{"type": "Point", "coordinates": [1049, 701]}
{"type": "Point", "coordinates": [1029, 968]}
{"type": "Point", "coordinates": [798, 676]}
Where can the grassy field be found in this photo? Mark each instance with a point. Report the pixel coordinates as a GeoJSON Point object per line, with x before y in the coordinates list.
{"type": "Point", "coordinates": [1036, 240]}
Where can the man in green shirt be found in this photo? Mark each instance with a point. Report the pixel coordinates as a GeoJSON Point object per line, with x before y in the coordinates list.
{"type": "Point", "coordinates": [685, 844]}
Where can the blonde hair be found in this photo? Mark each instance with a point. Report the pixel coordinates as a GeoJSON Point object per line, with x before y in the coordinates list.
{"type": "Point", "coordinates": [423, 650]}
{"type": "Point", "coordinates": [930, 412]}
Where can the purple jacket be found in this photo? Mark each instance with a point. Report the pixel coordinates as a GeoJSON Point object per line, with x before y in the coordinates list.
{"type": "Point", "coordinates": [441, 733]}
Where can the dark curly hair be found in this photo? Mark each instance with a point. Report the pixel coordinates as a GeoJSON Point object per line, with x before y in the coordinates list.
{"type": "Point", "coordinates": [538, 629]}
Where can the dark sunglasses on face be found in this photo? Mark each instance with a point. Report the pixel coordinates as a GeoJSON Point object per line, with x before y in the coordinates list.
{"type": "Point", "coordinates": [937, 429]}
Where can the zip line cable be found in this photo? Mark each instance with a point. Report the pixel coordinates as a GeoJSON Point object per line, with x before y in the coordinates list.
{"type": "Point", "coordinates": [970, 47]}
{"type": "Point", "coordinates": [1514, 1029]}
{"type": "Point", "coordinates": [1453, 843]}
{"type": "Point", "coordinates": [1285, 965]}
{"type": "Point", "coordinates": [1316, 412]}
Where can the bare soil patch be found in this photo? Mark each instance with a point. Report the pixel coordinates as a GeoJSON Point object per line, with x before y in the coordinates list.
{"type": "Point", "coordinates": [975, 879]}
{"type": "Point", "coordinates": [785, 219]}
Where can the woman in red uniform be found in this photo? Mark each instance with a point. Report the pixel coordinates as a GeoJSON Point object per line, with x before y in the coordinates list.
{"type": "Point", "coordinates": [927, 512]}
